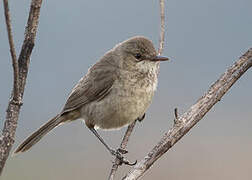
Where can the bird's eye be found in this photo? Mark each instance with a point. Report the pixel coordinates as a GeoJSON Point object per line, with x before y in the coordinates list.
{"type": "Point", "coordinates": [138, 56]}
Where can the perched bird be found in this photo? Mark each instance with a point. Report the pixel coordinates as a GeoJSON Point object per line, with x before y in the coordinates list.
{"type": "Point", "coordinates": [116, 91]}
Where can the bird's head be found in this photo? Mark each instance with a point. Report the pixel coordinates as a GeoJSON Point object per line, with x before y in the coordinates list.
{"type": "Point", "coordinates": [137, 54]}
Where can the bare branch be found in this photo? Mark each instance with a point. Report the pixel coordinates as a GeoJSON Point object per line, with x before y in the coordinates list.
{"type": "Point", "coordinates": [162, 27]}
{"type": "Point", "coordinates": [8, 134]}
{"type": "Point", "coordinates": [28, 43]}
{"type": "Point", "coordinates": [15, 92]}
{"type": "Point", "coordinates": [193, 115]}
{"type": "Point", "coordinates": [123, 147]}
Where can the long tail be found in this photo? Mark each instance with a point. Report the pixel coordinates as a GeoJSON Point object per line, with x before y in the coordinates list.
{"type": "Point", "coordinates": [37, 135]}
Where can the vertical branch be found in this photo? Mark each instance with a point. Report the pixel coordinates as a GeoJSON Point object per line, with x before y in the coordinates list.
{"type": "Point", "coordinates": [28, 43]}
{"type": "Point", "coordinates": [20, 73]}
{"type": "Point", "coordinates": [131, 127]}
{"type": "Point", "coordinates": [162, 27]}
{"type": "Point", "coordinates": [15, 92]}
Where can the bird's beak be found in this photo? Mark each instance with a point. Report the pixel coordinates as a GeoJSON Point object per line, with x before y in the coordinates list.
{"type": "Point", "coordinates": [159, 58]}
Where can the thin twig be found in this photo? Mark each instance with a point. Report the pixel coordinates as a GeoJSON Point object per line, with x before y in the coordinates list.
{"type": "Point", "coordinates": [176, 116]}
{"type": "Point", "coordinates": [123, 146]}
{"type": "Point", "coordinates": [193, 115]}
{"type": "Point", "coordinates": [162, 27]}
{"type": "Point", "coordinates": [176, 113]}
{"type": "Point", "coordinates": [15, 92]}
{"type": "Point", "coordinates": [131, 127]}
{"type": "Point", "coordinates": [8, 134]}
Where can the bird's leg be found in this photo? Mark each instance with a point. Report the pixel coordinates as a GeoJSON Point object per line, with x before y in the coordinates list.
{"type": "Point", "coordinates": [102, 141]}
{"type": "Point", "coordinates": [116, 153]}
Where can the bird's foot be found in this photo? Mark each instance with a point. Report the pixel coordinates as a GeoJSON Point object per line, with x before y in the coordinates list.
{"type": "Point", "coordinates": [122, 151]}
{"type": "Point", "coordinates": [118, 154]}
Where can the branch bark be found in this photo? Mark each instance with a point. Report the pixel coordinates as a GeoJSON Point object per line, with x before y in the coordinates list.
{"type": "Point", "coordinates": [193, 115]}
{"type": "Point", "coordinates": [125, 140]}
{"type": "Point", "coordinates": [162, 27]}
{"type": "Point", "coordinates": [20, 73]}
{"type": "Point", "coordinates": [12, 51]}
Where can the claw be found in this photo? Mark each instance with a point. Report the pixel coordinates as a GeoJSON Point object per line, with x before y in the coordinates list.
{"type": "Point", "coordinates": [118, 155]}
{"type": "Point", "coordinates": [113, 152]}
{"type": "Point", "coordinates": [130, 164]}
{"type": "Point", "coordinates": [123, 151]}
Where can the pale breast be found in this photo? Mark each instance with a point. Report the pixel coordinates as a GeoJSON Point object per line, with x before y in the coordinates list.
{"type": "Point", "coordinates": [127, 101]}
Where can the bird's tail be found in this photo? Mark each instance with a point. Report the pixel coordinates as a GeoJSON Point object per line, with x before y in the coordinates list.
{"type": "Point", "coordinates": [37, 135]}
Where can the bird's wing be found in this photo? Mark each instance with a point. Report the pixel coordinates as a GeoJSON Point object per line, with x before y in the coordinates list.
{"type": "Point", "coordinates": [94, 86]}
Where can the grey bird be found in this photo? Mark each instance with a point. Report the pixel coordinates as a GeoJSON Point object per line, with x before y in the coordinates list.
{"type": "Point", "coordinates": [116, 91]}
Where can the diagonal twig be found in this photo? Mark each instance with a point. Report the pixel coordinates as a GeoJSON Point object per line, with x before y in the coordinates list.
{"type": "Point", "coordinates": [193, 115]}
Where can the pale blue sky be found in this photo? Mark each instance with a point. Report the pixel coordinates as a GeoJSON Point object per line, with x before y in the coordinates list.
{"type": "Point", "coordinates": [202, 39]}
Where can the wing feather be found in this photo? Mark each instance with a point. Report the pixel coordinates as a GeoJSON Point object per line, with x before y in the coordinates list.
{"type": "Point", "coordinates": [96, 85]}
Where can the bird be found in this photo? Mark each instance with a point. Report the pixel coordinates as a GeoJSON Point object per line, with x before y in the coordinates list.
{"type": "Point", "coordinates": [116, 91]}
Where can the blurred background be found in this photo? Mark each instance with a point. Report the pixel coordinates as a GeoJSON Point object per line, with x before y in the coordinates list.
{"type": "Point", "coordinates": [202, 39]}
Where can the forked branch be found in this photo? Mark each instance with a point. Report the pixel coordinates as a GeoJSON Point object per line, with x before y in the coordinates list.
{"type": "Point", "coordinates": [20, 69]}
